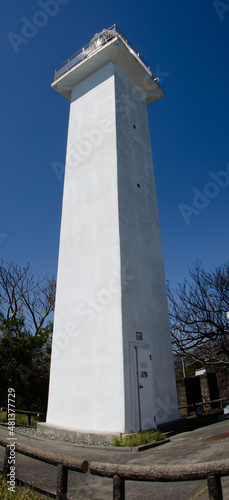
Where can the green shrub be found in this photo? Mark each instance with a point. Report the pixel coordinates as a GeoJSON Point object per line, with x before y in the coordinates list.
{"type": "Point", "coordinates": [141, 437]}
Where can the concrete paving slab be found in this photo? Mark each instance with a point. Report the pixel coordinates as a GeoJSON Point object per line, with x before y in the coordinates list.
{"type": "Point", "coordinates": [186, 448]}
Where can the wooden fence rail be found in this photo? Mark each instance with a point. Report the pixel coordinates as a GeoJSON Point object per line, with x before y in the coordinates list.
{"type": "Point", "coordinates": [64, 464]}
{"type": "Point", "coordinates": [212, 471]}
{"type": "Point", "coordinates": [25, 412]}
{"type": "Point", "coordinates": [221, 402]}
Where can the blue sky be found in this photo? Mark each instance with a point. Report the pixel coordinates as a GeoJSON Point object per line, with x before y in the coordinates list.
{"type": "Point", "coordinates": [186, 43]}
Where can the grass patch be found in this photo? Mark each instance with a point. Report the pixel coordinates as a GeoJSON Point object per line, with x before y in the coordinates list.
{"type": "Point", "coordinates": [3, 417]}
{"type": "Point", "coordinates": [19, 419]}
{"type": "Point", "coordinates": [21, 492]}
{"type": "Point", "coordinates": [141, 437]}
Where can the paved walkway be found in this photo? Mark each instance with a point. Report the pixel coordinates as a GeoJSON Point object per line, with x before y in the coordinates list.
{"type": "Point", "coordinates": [185, 449]}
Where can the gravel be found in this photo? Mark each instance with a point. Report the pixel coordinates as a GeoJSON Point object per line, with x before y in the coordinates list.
{"type": "Point", "coordinates": [32, 432]}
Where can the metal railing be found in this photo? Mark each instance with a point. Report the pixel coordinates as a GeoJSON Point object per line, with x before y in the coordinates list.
{"type": "Point", "coordinates": [85, 52]}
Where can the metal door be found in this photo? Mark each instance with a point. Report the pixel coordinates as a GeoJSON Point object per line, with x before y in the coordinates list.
{"type": "Point", "coordinates": [145, 388]}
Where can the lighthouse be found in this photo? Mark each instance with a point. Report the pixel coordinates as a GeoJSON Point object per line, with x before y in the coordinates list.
{"type": "Point", "coordinates": [112, 366]}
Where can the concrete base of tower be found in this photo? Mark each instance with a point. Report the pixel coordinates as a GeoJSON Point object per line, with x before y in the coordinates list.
{"type": "Point", "coordinates": [75, 436]}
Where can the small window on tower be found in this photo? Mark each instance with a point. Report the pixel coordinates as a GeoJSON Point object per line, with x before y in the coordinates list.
{"type": "Point", "coordinates": [138, 335]}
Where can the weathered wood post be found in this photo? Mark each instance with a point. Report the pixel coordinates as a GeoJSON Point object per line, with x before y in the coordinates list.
{"type": "Point", "coordinates": [118, 487]}
{"type": "Point", "coordinates": [6, 466]}
{"type": "Point", "coordinates": [214, 487]}
{"type": "Point", "coordinates": [62, 482]}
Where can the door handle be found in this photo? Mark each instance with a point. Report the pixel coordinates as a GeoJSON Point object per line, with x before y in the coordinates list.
{"type": "Point", "coordinates": [141, 386]}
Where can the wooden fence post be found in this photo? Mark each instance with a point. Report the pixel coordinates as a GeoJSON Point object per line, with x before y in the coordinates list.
{"type": "Point", "coordinates": [214, 487]}
{"type": "Point", "coordinates": [62, 482]}
{"type": "Point", "coordinates": [6, 466]}
{"type": "Point", "coordinates": [118, 487]}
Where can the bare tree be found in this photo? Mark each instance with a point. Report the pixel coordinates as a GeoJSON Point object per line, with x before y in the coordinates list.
{"type": "Point", "coordinates": [199, 324]}
{"type": "Point", "coordinates": [22, 296]}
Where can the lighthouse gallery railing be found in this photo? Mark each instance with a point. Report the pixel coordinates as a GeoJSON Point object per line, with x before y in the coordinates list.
{"type": "Point", "coordinates": [105, 37]}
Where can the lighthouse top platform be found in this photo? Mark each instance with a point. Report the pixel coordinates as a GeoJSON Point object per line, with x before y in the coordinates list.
{"type": "Point", "coordinates": [109, 46]}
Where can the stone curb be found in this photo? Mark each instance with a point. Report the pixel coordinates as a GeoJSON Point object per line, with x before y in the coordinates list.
{"type": "Point", "coordinates": [121, 449]}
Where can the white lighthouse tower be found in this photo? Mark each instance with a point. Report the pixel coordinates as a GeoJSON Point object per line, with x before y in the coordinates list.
{"type": "Point", "coordinates": [112, 366]}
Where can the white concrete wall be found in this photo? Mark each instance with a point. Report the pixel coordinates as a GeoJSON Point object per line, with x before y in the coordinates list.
{"type": "Point", "coordinates": [144, 300]}
{"type": "Point", "coordinates": [86, 383]}
{"type": "Point", "coordinates": [110, 280]}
